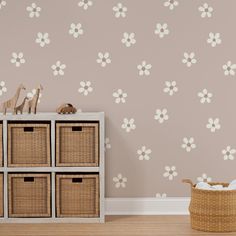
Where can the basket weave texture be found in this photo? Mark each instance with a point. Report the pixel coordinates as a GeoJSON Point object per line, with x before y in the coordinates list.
{"type": "Point", "coordinates": [1, 194]}
{"type": "Point", "coordinates": [29, 195]}
{"type": "Point", "coordinates": [1, 145]}
{"type": "Point", "coordinates": [28, 145]}
{"type": "Point", "coordinates": [212, 210]}
{"type": "Point", "coordinates": [77, 195]}
{"type": "Point", "coordinates": [77, 144]}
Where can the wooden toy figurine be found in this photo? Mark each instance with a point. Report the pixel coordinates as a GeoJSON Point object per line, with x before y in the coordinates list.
{"type": "Point", "coordinates": [66, 108]}
{"type": "Point", "coordinates": [11, 103]}
{"type": "Point", "coordinates": [33, 103]}
{"type": "Point", "coordinates": [20, 108]}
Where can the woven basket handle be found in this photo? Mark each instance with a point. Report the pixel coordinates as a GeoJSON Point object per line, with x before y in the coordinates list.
{"type": "Point", "coordinates": [188, 181]}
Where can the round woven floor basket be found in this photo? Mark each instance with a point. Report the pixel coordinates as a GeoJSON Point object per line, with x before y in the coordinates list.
{"type": "Point", "coordinates": [212, 210]}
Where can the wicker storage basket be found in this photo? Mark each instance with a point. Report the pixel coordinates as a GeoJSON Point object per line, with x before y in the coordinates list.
{"type": "Point", "coordinates": [1, 195]}
{"type": "Point", "coordinates": [29, 195]}
{"type": "Point", "coordinates": [212, 210]}
{"type": "Point", "coordinates": [1, 145]}
{"type": "Point", "coordinates": [28, 144]}
{"type": "Point", "coordinates": [77, 144]}
{"type": "Point", "coordinates": [77, 195]}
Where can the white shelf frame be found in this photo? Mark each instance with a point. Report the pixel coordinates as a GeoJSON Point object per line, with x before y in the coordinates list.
{"type": "Point", "coordinates": [52, 118]}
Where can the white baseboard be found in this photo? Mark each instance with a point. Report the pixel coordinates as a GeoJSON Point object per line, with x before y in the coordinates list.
{"type": "Point", "coordinates": [147, 206]}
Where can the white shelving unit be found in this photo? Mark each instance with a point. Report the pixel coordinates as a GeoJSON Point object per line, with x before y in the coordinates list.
{"type": "Point", "coordinates": [53, 117]}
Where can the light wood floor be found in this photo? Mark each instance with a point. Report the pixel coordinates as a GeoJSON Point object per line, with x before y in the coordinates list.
{"type": "Point", "coordinates": [114, 226]}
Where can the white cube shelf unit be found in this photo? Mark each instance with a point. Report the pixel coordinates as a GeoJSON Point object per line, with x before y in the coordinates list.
{"type": "Point", "coordinates": [53, 169]}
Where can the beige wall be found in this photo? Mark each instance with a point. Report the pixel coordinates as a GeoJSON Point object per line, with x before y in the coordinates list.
{"type": "Point", "coordinates": [102, 32]}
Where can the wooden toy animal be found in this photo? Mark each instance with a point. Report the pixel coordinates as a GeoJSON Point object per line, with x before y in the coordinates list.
{"type": "Point", "coordinates": [20, 108]}
{"type": "Point", "coordinates": [11, 103]}
{"type": "Point", "coordinates": [66, 108]}
{"type": "Point", "coordinates": [33, 103]}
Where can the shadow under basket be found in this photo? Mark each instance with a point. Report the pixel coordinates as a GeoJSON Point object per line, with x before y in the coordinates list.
{"type": "Point", "coordinates": [212, 210]}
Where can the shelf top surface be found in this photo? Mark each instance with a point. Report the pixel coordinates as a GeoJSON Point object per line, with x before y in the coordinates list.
{"type": "Point", "coordinates": [54, 116]}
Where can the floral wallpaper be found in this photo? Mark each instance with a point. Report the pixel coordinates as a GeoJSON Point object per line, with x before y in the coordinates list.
{"type": "Point", "coordinates": [163, 71]}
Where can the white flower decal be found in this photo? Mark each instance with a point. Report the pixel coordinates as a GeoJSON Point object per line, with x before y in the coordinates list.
{"type": "Point", "coordinates": [204, 178]}
{"type": "Point", "coordinates": [85, 88]}
{"type": "Point", "coordinates": [161, 115]}
{"type": "Point", "coordinates": [120, 181]}
{"type": "Point", "coordinates": [161, 30]}
{"type": "Point", "coordinates": [103, 59]}
{"type": "Point", "coordinates": [2, 4]}
{"type": "Point", "coordinates": [128, 39]}
{"type": "Point", "coordinates": [205, 96]}
{"type": "Point", "coordinates": [189, 59]}
{"type": "Point", "coordinates": [42, 39]}
{"type": "Point", "coordinates": [213, 124]}
{"type": "Point", "coordinates": [171, 4]}
{"type": "Point", "coordinates": [17, 59]}
{"type": "Point", "coordinates": [58, 68]}
{"type": "Point", "coordinates": [3, 88]}
{"type": "Point", "coordinates": [214, 39]}
{"type": "Point", "coordinates": [161, 195]}
{"type": "Point", "coordinates": [144, 68]}
{"type": "Point", "coordinates": [76, 30]}
{"type": "Point", "coordinates": [170, 172]}
{"type": "Point", "coordinates": [119, 96]}
{"type": "Point", "coordinates": [170, 87]}
{"type": "Point", "coordinates": [85, 4]}
{"type": "Point", "coordinates": [188, 144]}
{"type": "Point", "coordinates": [228, 153]}
{"type": "Point", "coordinates": [229, 68]}
{"type": "Point", "coordinates": [143, 153]}
{"type": "Point", "coordinates": [107, 144]}
{"type": "Point", "coordinates": [120, 10]}
{"type": "Point", "coordinates": [206, 10]}
{"type": "Point", "coordinates": [34, 10]}
{"type": "Point", "coordinates": [32, 93]}
{"type": "Point", "coordinates": [128, 125]}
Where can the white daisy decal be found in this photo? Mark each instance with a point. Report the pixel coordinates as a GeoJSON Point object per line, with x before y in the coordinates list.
{"type": "Point", "coordinates": [206, 10]}
{"type": "Point", "coordinates": [42, 39]}
{"type": "Point", "coordinates": [188, 144]}
{"type": "Point", "coordinates": [128, 39]}
{"type": "Point", "coordinates": [120, 181]}
{"type": "Point", "coordinates": [144, 153]}
{"type": "Point", "coordinates": [161, 30]}
{"type": "Point", "coordinates": [229, 68]}
{"type": "Point", "coordinates": [144, 68]}
{"type": "Point", "coordinates": [85, 4]}
{"type": "Point", "coordinates": [32, 93]}
{"type": "Point", "coordinates": [17, 59]}
{"type": "Point", "coordinates": [128, 125]}
{"type": "Point", "coordinates": [205, 96]}
{"type": "Point", "coordinates": [58, 68]}
{"type": "Point", "coordinates": [170, 172]}
{"type": "Point", "coordinates": [228, 153]}
{"type": "Point", "coordinates": [120, 10]}
{"type": "Point", "coordinates": [189, 59]}
{"type": "Point", "coordinates": [2, 4]}
{"type": "Point", "coordinates": [214, 39]}
{"type": "Point", "coordinates": [213, 124]}
{"type": "Point", "coordinates": [103, 59]}
{"type": "Point", "coordinates": [85, 88]}
{"type": "Point", "coordinates": [161, 195]}
{"type": "Point", "coordinates": [107, 144]}
{"type": "Point", "coordinates": [3, 88]}
{"type": "Point", "coordinates": [76, 30]}
{"type": "Point", "coordinates": [161, 115]}
{"type": "Point", "coordinates": [34, 10]}
{"type": "Point", "coordinates": [120, 96]}
{"type": "Point", "coordinates": [170, 87]}
{"type": "Point", "coordinates": [171, 4]}
{"type": "Point", "coordinates": [204, 178]}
